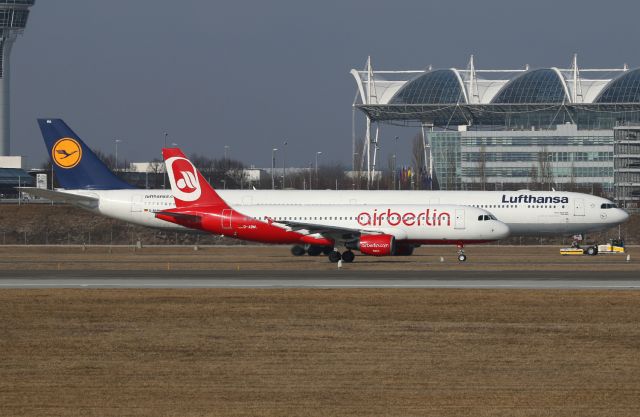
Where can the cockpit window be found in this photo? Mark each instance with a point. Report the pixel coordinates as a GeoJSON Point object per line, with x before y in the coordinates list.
{"type": "Point", "coordinates": [485, 217]}
{"type": "Point", "coordinates": [608, 206]}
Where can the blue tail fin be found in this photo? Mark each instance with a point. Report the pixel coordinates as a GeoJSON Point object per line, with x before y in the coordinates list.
{"type": "Point", "coordinates": [75, 165]}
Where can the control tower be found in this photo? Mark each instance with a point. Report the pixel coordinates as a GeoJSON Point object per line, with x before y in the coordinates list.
{"type": "Point", "coordinates": [13, 19]}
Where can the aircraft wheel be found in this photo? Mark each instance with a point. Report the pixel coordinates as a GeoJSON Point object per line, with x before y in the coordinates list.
{"type": "Point", "coordinates": [298, 250]}
{"type": "Point", "coordinates": [334, 256]}
{"type": "Point", "coordinates": [314, 250]}
{"type": "Point", "coordinates": [348, 256]}
{"type": "Point", "coordinates": [462, 257]}
{"type": "Point", "coordinates": [592, 251]}
{"type": "Point", "coordinates": [327, 250]}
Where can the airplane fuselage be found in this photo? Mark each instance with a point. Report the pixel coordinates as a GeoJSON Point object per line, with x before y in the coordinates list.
{"type": "Point", "coordinates": [525, 212]}
{"type": "Point", "coordinates": [410, 223]}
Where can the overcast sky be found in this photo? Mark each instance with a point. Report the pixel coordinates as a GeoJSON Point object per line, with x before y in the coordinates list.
{"type": "Point", "coordinates": [251, 74]}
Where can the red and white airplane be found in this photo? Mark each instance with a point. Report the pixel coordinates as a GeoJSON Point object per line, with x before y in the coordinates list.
{"type": "Point", "coordinates": [377, 230]}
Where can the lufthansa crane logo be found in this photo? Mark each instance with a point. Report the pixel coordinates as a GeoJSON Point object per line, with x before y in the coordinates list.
{"type": "Point", "coordinates": [66, 153]}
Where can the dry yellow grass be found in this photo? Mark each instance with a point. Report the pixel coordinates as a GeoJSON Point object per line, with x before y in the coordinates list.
{"type": "Point", "coordinates": [319, 352]}
{"type": "Point", "coordinates": [278, 257]}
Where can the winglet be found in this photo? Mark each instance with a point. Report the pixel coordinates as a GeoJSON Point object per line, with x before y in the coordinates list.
{"type": "Point", "coordinates": [188, 186]}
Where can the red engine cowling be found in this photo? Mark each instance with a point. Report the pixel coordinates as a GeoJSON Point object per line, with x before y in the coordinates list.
{"type": "Point", "coordinates": [377, 245]}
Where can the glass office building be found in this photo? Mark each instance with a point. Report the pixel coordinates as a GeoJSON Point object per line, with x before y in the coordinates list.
{"type": "Point", "coordinates": [564, 158]}
{"type": "Point", "coordinates": [627, 166]}
{"type": "Point", "coordinates": [507, 128]}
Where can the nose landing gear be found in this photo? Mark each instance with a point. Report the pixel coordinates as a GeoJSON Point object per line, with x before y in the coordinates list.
{"type": "Point", "coordinates": [461, 256]}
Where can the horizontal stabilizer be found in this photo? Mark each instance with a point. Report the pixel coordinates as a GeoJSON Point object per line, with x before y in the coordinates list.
{"type": "Point", "coordinates": [62, 196]}
{"type": "Point", "coordinates": [179, 217]}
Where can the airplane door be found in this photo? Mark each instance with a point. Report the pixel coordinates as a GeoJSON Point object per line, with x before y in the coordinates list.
{"type": "Point", "coordinates": [578, 206]}
{"type": "Point", "coordinates": [136, 203]}
{"type": "Point", "coordinates": [459, 219]}
{"type": "Point", "coordinates": [226, 218]}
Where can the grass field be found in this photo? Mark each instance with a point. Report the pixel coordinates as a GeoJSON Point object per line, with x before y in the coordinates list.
{"type": "Point", "coordinates": [319, 352]}
{"type": "Point", "coordinates": [426, 258]}
{"type": "Point", "coordinates": [276, 352]}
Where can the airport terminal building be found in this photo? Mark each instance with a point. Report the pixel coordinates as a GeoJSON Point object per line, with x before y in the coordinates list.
{"type": "Point", "coordinates": [493, 129]}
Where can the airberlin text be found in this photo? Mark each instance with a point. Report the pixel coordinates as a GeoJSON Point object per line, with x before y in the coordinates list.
{"type": "Point", "coordinates": [427, 218]}
{"type": "Point", "coordinates": [523, 198]}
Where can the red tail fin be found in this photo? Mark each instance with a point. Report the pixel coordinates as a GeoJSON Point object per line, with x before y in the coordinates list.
{"type": "Point", "coordinates": [189, 187]}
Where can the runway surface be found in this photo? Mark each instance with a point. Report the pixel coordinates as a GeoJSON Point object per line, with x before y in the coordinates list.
{"type": "Point", "coordinates": [321, 279]}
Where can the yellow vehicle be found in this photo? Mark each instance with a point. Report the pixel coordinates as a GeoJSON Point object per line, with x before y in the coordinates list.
{"type": "Point", "coordinates": [614, 246]}
{"type": "Point", "coordinates": [576, 249]}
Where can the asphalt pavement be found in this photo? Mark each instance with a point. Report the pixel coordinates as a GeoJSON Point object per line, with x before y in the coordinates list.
{"type": "Point", "coordinates": [321, 279]}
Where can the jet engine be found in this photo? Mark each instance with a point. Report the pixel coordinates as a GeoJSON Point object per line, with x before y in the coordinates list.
{"type": "Point", "coordinates": [376, 245]}
{"type": "Point", "coordinates": [404, 250]}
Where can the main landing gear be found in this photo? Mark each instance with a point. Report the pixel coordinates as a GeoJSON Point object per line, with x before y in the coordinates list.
{"type": "Point", "coordinates": [461, 256]}
{"type": "Point", "coordinates": [311, 250]}
{"type": "Point", "coordinates": [346, 256]}
{"type": "Point", "coordinates": [298, 250]}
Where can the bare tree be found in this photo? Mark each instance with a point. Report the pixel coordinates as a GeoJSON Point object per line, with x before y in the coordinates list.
{"type": "Point", "coordinates": [108, 159]}
{"type": "Point", "coordinates": [223, 173]}
{"type": "Point", "coordinates": [332, 177]}
{"type": "Point", "coordinates": [389, 178]}
{"type": "Point", "coordinates": [417, 153]}
{"type": "Point", "coordinates": [359, 179]}
{"type": "Point", "coordinates": [156, 170]}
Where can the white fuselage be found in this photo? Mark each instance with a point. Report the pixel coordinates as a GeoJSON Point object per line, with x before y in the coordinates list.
{"type": "Point", "coordinates": [525, 212]}
{"type": "Point", "coordinates": [414, 222]}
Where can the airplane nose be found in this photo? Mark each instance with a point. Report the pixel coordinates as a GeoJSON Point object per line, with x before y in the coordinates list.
{"type": "Point", "coordinates": [623, 215]}
{"type": "Point", "coordinates": [500, 230]}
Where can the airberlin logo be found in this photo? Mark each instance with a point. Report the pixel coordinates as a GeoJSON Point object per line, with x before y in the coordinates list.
{"type": "Point", "coordinates": [66, 153]}
{"type": "Point", "coordinates": [375, 245]}
{"type": "Point", "coordinates": [184, 179]}
{"type": "Point", "coordinates": [188, 182]}
{"type": "Point", "coordinates": [428, 218]}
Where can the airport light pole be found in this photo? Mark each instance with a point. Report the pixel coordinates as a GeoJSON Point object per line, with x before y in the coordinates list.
{"type": "Point", "coordinates": [317, 154]}
{"type": "Point", "coordinates": [117, 141]}
{"type": "Point", "coordinates": [273, 167]}
{"type": "Point", "coordinates": [356, 171]}
{"type": "Point", "coordinates": [284, 147]}
{"type": "Point", "coordinates": [164, 171]}
{"type": "Point", "coordinates": [394, 162]}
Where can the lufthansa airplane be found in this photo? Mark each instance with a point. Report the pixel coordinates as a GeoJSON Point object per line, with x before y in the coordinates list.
{"type": "Point", "coordinates": [377, 230]}
{"type": "Point", "coordinates": [89, 184]}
